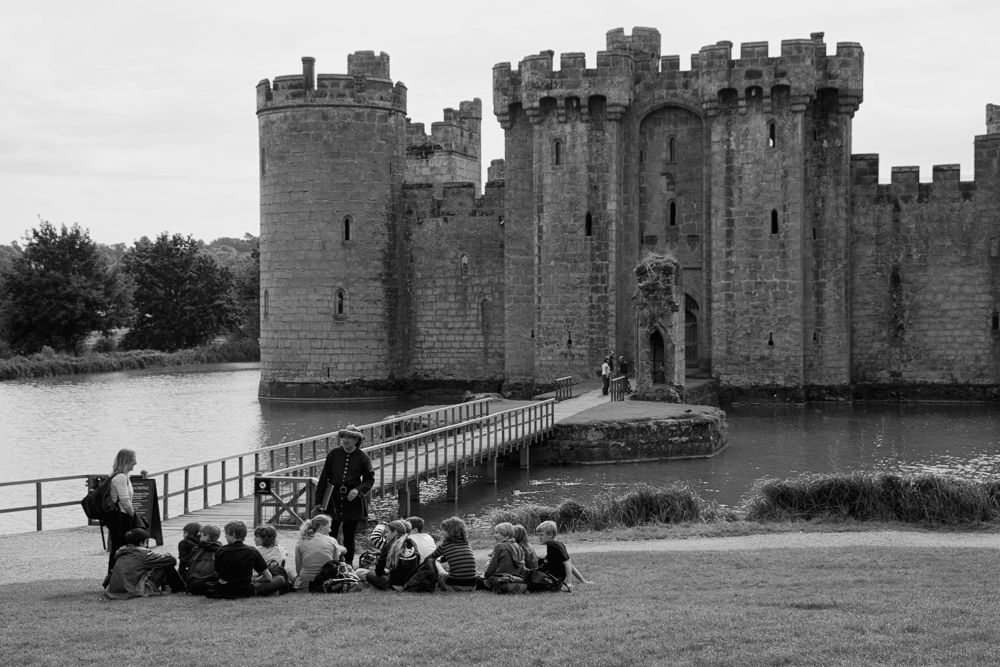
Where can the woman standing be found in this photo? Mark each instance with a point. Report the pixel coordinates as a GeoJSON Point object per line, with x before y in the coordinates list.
{"type": "Point", "coordinates": [121, 493]}
{"type": "Point", "coordinates": [347, 478]}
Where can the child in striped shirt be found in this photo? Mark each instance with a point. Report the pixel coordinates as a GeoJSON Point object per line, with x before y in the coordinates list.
{"type": "Point", "coordinates": [456, 552]}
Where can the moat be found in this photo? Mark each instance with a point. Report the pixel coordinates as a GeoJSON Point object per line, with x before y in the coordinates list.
{"type": "Point", "coordinates": [70, 425]}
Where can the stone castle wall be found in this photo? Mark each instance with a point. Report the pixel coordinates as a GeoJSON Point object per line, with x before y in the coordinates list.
{"type": "Point", "coordinates": [451, 152]}
{"type": "Point", "coordinates": [926, 273]}
{"type": "Point", "coordinates": [457, 249]}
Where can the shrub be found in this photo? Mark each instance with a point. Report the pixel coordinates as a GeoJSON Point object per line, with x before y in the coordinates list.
{"type": "Point", "coordinates": [921, 498]}
{"type": "Point", "coordinates": [104, 345]}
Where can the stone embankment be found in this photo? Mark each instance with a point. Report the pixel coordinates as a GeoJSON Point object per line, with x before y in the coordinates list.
{"type": "Point", "coordinates": [631, 431]}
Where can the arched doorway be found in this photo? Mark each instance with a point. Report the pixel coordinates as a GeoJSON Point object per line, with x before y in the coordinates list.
{"type": "Point", "coordinates": [657, 357]}
{"type": "Point", "coordinates": [690, 332]}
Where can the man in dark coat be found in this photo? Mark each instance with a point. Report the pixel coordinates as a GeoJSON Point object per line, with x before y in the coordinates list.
{"type": "Point", "coordinates": [343, 487]}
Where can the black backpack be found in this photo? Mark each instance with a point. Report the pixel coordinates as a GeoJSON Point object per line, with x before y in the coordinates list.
{"type": "Point", "coordinates": [201, 570]}
{"type": "Point", "coordinates": [97, 504]}
{"type": "Point", "coordinates": [424, 579]}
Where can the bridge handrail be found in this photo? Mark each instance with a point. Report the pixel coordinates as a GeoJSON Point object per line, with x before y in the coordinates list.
{"type": "Point", "coordinates": [618, 387]}
{"type": "Point", "coordinates": [564, 388]}
{"type": "Point", "coordinates": [165, 494]}
{"type": "Point", "coordinates": [546, 417]}
{"type": "Point", "coordinates": [292, 443]}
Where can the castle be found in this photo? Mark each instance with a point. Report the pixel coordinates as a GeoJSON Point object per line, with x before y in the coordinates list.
{"type": "Point", "coordinates": [791, 270]}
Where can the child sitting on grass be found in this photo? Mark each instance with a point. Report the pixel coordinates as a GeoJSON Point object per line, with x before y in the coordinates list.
{"type": "Point", "coordinates": [507, 557]}
{"type": "Point", "coordinates": [201, 567]}
{"type": "Point", "coordinates": [186, 546]}
{"type": "Point", "coordinates": [140, 572]}
{"type": "Point", "coordinates": [397, 560]}
{"type": "Point", "coordinates": [521, 537]}
{"type": "Point", "coordinates": [556, 561]}
{"type": "Point", "coordinates": [456, 552]}
{"type": "Point", "coordinates": [265, 538]}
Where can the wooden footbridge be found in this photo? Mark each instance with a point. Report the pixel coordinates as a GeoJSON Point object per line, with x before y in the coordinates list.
{"type": "Point", "coordinates": [276, 484]}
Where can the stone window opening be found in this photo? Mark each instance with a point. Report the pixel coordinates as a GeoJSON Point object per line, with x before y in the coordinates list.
{"type": "Point", "coordinates": [642, 156]}
{"type": "Point", "coordinates": [996, 321]}
{"type": "Point", "coordinates": [569, 339]}
{"type": "Point", "coordinates": [267, 305]}
{"type": "Point", "coordinates": [770, 339]}
{"type": "Point", "coordinates": [588, 225]}
{"type": "Point", "coordinates": [340, 303]}
{"type": "Point", "coordinates": [671, 149]}
{"type": "Point", "coordinates": [347, 228]}
{"type": "Point", "coordinates": [263, 162]}
{"type": "Point", "coordinates": [465, 267]}
{"type": "Point", "coordinates": [774, 221]}
{"type": "Point", "coordinates": [557, 152]}
{"type": "Point", "coordinates": [772, 135]}
{"type": "Point", "coordinates": [673, 213]}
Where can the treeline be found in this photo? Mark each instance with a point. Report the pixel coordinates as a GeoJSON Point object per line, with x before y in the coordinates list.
{"type": "Point", "coordinates": [60, 292]}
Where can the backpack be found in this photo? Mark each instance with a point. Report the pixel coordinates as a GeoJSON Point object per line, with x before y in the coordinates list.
{"type": "Point", "coordinates": [201, 571]}
{"type": "Point", "coordinates": [335, 577]}
{"type": "Point", "coordinates": [424, 579]}
{"type": "Point", "coordinates": [540, 581]}
{"type": "Point", "coordinates": [278, 571]}
{"type": "Point", "coordinates": [97, 504]}
{"type": "Point", "coordinates": [507, 584]}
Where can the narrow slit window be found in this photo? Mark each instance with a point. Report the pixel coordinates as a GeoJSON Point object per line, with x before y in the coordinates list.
{"type": "Point", "coordinates": [556, 153]}
{"type": "Point", "coordinates": [673, 214]}
{"type": "Point", "coordinates": [347, 228]}
{"type": "Point", "coordinates": [263, 162]}
{"type": "Point", "coordinates": [774, 221]}
{"type": "Point", "coordinates": [267, 305]}
{"type": "Point", "coordinates": [772, 135]}
{"type": "Point", "coordinates": [341, 302]}
{"type": "Point", "coordinates": [465, 267]}
{"type": "Point", "coordinates": [588, 225]}
{"type": "Point", "coordinates": [996, 321]}
{"type": "Point", "coordinates": [671, 149]}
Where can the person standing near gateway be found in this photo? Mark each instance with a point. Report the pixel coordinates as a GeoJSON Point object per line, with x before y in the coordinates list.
{"type": "Point", "coordinates": [121, 520]}
{"type": "Point", "coordinates": [606, 375]}
{"type": "Point", "coordinates": [347, 478]}
{"type": "Point", "coordinates": [623, 365]}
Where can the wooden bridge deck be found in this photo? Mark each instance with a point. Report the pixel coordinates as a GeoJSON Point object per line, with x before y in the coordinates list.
{"type": "Point", "coordinates": [421, 457]}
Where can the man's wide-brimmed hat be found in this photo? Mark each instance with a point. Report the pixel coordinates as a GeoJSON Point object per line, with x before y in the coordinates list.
{"type": "Point", "coordinates": [351, 432]}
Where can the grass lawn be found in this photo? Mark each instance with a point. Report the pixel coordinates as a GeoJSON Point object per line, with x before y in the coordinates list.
{"type": "Point", "coordinates": [857, 606]}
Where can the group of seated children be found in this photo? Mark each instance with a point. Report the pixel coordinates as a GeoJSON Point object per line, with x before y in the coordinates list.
{"type": "Point", "coordinates": [234, 570]}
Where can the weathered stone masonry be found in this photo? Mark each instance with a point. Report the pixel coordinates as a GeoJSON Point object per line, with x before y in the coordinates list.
{"type": "Point", "coordinates": [383, 269]}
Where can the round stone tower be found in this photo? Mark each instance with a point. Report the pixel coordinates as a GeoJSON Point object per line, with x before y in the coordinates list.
{"type": "Point", "coordinates": [332, 160]}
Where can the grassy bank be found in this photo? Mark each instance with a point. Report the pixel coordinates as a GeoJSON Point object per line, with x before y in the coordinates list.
{"type": "Point", "coordinates": [847, 606]}
{"type": "Point", "coordinates": [923, 499]}
{"type": "Point", "coordinates": [45, 365]}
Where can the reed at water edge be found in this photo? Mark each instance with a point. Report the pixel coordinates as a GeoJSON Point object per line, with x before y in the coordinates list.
{"type": "Point", "coordinates": [49, 364]}
{"type": "Point", "coordinates": [861, 496]}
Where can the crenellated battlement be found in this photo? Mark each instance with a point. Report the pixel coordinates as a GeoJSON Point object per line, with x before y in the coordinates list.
{"type": "Point", "coordinates": [454, 200]}
{"type": "Point", "coordinates": [367, 84]}
{"type": "Point", "coordinates": [458, 132]}
{"type": "Point", "coordinates": [632, 68]}
{"type": "Point", "coordinates": [946, 181]}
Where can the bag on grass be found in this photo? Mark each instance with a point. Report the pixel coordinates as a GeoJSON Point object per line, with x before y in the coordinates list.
{"type": "Point", "coordinates": [201, 571]}
{"type": "Point", "coordinates": [367, 560]}
{"type": "Point", "coordinates": [540, 581]}
{"type": "Point", "coordinates": [336, 577]}
{"type": "Point", "coordinates": [97, 504]}
{"type": "Point", "coordinates": [424, 579]}
{"type": "Point", "coordinates": [507, 584]}
{"type": "Point", "coordinates": [278, 571]}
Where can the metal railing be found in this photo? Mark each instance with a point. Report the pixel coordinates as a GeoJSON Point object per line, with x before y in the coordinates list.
{"type": "Point", "coordinates": [564, 388]}
{"type": "Point", "coordinates": [422, 455]}
{"type": "Point", "coordinates": [619, 387]}
{"type": "Point", "coordinates": [39, 504]}
{"type": "Point", "coordinates": [229, 473]}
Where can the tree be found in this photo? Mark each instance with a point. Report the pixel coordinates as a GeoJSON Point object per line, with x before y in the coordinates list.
{"type": "Point", "coordinates": [58, 290]}
{"type": "Point", "coordinates": [182, 296]}
{"type": "Point", "coordinates": [247, 291]}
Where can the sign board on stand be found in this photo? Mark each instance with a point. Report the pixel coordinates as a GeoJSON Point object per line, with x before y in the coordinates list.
{"type": "Point", "coordinates": [146, 504]}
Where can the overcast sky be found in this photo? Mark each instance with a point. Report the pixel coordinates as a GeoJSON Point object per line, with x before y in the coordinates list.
{"type": "Point", "coordinates": [137, 118]}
